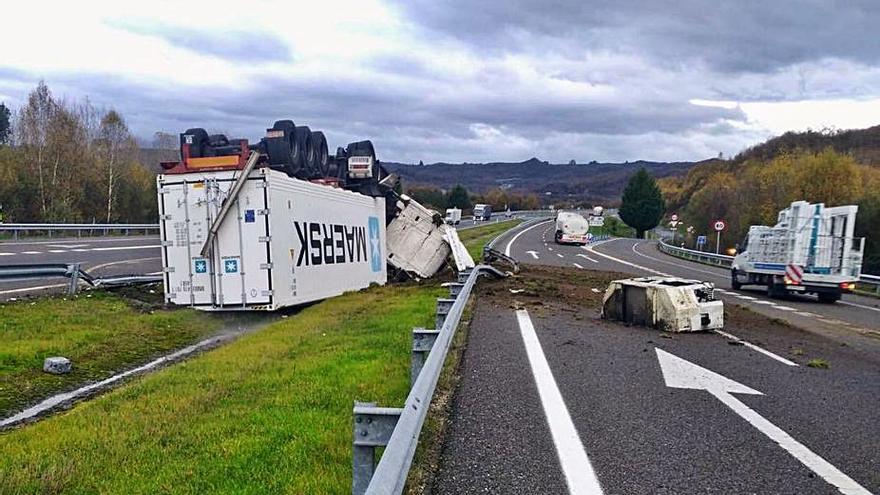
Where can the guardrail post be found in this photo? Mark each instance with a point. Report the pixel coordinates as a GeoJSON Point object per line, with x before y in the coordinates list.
{"type": "Point", "coordinates": [372, 427]}
{"type": "Point", "coordinates": [454, 289]}
{"type": "Point", "coordinates": [443, 306]}
{"type": "Point", "coordinates": [423, 341]}
{"type": "Point", "coordinates": [74, 279]}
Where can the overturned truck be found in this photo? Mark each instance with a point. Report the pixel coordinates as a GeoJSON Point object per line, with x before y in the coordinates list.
{"type": "Point", "coordinates": [282, 222]}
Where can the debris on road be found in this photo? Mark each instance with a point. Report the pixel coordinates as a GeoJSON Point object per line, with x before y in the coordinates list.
{"type": "Point", "coordinates": [668, 303]}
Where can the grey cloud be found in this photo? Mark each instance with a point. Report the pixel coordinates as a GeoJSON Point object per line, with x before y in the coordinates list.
{"type": "Point", "coordinates": [234, 45]}
{"type": "Point", "coordinates": [740, 36]}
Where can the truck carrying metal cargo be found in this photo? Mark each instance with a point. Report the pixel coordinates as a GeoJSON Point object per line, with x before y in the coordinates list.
{"type": "Point", "coordinates": [810, 250]}
{"type": "Point", "coordinates": [281, 222]}
{"type": "Point", "coordinates": [482, 212]}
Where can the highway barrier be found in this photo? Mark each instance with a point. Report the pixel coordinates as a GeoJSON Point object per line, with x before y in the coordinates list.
{"type": "Point", "coordinates": [869, 284]}
{"type": "Point", "coordinates": [74, 273]}
{"type": "Point", "coordinates": [92, 228]}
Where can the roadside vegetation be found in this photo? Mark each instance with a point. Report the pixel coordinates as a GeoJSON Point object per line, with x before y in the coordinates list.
{"type": "Point", "coordinates": [101, 333]}
{"type": "Point", "coordinates": [476, 238]}
{"type": "Point", "coordinates": [269, 412]}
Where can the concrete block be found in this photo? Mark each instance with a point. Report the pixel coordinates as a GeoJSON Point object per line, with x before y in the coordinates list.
{"type": "Point", "coordinates": [57, 365]}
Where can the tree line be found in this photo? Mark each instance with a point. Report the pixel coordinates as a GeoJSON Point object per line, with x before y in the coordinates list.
{"type": "Point", "coordinates": [752, 191]}
{"type": "Point", "coordinates": [65, 160]}
{"type": "Point", "coordinates": [459, 197]}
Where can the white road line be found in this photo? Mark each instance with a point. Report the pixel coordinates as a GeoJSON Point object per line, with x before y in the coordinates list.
{"type": "Point", "coordinates": [783, 308]}
{"type": "Point", "coordinates": [618, 260]}
{"type": "Point", "coordinates": [746, 298]}
{"type": "Point", "coordinates": [125, 248]}
{"type": "Point", "coordinates": [686, 267]}
{"type": "Point", "coordinates": [57, 251]}
{"type": "Point", "coordinates": [31, 252]}
{"type": "Point", "coordinates": [123, 262]}
{"type": "Point", "coordinates": [523, 231]}
{"type": "Point", "coordinates": [549, 249]}
{"type": "Point", "coordinates": [579, 266]}
{"type": "Point", "coordinates": [682, 374]}
{"type": "Point", "coordinates": [579, 474]}
{"type": "Point", "coordinates": [756, 348]}
{"type": "Point", "coordinates": [7, 254]}
{"type": "Point", "coordinates": [846, 303]}
{"type": "Point", "coordinates": [26, 289]}
{"type": "Point", "coordinates": [804, 313]}
{"type": "Point", "coordinates": [561, 256]}
{"type": "Point", "coordinates": [766, 303]}
{"type": "Point", "coordinates": [584, 256]}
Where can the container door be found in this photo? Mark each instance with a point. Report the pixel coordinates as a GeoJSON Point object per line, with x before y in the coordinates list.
{"type": "Point", "coordinates": [187, 274]}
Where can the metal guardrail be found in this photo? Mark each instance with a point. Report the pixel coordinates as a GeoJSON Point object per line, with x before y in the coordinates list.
{"type": "Point", "coordinates": [74, 273]}
{"type": "Point", "coordinates": [51, 228]}
{"type": "Point", "coordinates": [866, 283]}
{"type": "Point", "coordinates": [398, 429]}
{"type": "Point", "coordinates": [490, 253]}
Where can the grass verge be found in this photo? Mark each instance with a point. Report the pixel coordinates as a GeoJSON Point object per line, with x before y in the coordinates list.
{"type": "Point", "coordinates": [477, 237]}
{"type": "Point", "coordinates": [101, 333]}
{"type": "Point", "coordinates": [268, 413]}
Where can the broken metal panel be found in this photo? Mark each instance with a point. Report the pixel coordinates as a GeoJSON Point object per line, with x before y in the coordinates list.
{"type": "Point", "coordinates": [463, 259]}
{"type": "Point", "coordinates": [667, 303]}
{"type": "Point", "coordinates": [415, 239]}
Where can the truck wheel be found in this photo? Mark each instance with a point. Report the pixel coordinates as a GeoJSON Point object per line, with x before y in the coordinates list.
{"type": "Point", "coordinates": [734, 282]}
{"type": "Point", "coordinates": [302, 135]}
{"type": "Point", "coordinates": [199, 145]}
{"type": "Point", "coordinates": [284, 152]}
{"type": "Point", "coordinates": [828, 297]}
{"type": "Point", "coordinates": [322, 157]}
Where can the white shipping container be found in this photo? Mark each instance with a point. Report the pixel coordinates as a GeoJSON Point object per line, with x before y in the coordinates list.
{"type": "Point", "coordinates": [284, 242]}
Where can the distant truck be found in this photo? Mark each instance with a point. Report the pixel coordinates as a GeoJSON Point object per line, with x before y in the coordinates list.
{"type": "Point", "coordinates": [810, 250]}
{"type": "Point", "coordinates": [571, 228]}
{"type": "Point", "coordinates": [482, 212]}
{"type": "Point", "coordinates": [453, 216]}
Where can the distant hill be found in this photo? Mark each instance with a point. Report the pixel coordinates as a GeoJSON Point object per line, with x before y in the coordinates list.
{"type": "Point", "coordinates": [592, 182]}
{"type": "Point", "coordinates": [862, 144]}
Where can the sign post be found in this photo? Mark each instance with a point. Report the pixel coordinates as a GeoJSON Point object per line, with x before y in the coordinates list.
{"type": "Point", "coordinates": [719, 226]}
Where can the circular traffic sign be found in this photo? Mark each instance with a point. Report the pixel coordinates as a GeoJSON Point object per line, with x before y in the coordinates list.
{"type": "Point", "coordinates": [719, 225]}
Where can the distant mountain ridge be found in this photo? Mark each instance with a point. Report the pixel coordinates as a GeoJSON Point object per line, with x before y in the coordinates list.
{"type": "Point", "coordinates": [591, 182]}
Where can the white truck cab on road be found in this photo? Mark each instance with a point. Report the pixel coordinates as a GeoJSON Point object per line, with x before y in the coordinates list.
{"type": "Point", "coordinates": [810, 250]}
{"type": "Point", "coordinates": [453, 216]}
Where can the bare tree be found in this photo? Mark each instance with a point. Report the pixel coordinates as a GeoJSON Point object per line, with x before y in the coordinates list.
{"type": "Point", "coordinates": [116, 147]}
{"type": "Point", "coordinates": [31, 134]}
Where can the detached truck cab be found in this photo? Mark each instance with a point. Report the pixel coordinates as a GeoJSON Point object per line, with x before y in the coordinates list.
{"type": "Point", "coordinates": [810, 250]}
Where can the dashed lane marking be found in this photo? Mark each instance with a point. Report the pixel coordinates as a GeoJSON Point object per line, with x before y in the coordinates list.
{"type": "Point", "coordinates": [579, 473]}
{"type": "Point", "coordinates": [765, 303]}
{"type": "Point", "coordinates": [561, 256]}
{"type": "Point", "coordinates": [31, 252]}
{"type": "Point", "coordinates": [577, 265]}
{"type": "Point", "coordinates": [783, 308]}
{"type": "Point", "coordinates": [804, 313]}
{"type": "Point", "coordinates": [756, 348]}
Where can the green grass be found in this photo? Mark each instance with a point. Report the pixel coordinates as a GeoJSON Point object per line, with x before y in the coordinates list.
{"type": "Point", "coordinates": [100, 334]}
{"type": "Point", "coordinates": [475, 238]}
{"type": "Point", "coordinates": [268, 413]}
{"type": "Point", "coordinates": [819, 363]}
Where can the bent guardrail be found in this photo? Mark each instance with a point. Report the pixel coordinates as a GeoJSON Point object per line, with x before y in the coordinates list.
{"type": "Point", "coordinates": [866, 283]}
{"type": "Point", "coordinates": [398, 429]}
{"type": "Point", "coordinates": [74, 273]}
{"type": "Point", "coordinates": [79, 228]}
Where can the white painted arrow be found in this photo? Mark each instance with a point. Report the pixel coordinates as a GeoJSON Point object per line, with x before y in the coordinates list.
{"type": "Point", "coordinates": [533, 253]}
{"type": "Point", "coordinates": [679, 373]}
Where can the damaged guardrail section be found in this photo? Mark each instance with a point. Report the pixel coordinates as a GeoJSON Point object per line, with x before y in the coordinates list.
{"type": "Point", "coordinates": [74, 273]}
{"type": "Point", "coordinates": [398, 429]}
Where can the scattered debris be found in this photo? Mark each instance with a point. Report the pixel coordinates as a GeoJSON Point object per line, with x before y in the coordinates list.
{"type": "Point", "coordinates": [57, 365]}
{"type": "Point", "coordinates": [667, 303]}
{"type": "Point", "coordinates": [819, 363]}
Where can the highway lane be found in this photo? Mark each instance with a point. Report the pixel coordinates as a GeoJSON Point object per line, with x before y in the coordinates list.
{"type": "Point", "coordinates": [100, 256]}
{"type": "Point", "coordinates": [761, 424]}
{"type": "Point", "coordinates": [853, 320]}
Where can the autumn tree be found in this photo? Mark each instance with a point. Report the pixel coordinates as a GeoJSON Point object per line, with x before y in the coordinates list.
{"type": "Point", "coordinates": [116, 148]}
{"type": "Point", "coordinates": [642, 205]}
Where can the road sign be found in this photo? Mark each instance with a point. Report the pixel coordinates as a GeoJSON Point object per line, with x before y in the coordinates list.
{"type": "Point", "coordinates": [719, 225]}
{"type": "Point", "coordinates": [701, 240]}
{"type": "Point", "coordinates": [680, 373]}
{"type": "Point", "coordinates": [596, 221]}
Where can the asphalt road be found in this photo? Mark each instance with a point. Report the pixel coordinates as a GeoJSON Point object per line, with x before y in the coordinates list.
{"type": "Point", "coordinates": [98, 255]}
{"type": "Point", "coordinates": [637, 411]}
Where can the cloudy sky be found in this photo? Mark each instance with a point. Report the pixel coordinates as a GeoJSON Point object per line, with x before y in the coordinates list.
{"type": "Point", "coordinates": [460, 80]}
